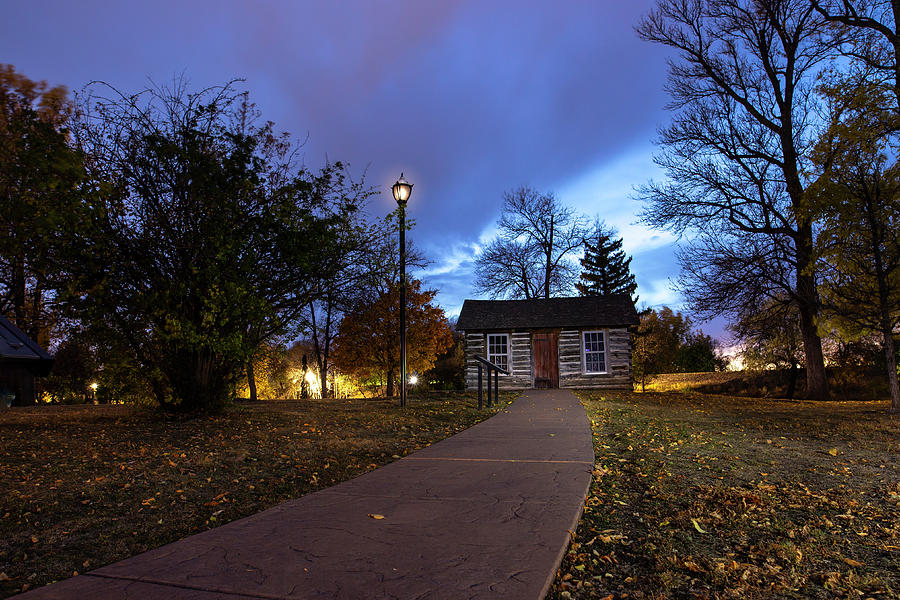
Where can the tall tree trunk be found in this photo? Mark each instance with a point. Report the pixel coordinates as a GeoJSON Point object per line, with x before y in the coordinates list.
{"type": "Point", "coordinates": [808, 296]}
{"type": "Point", "coordinates": [390, 384]}
{"type": "Point", "coordinates": [323, 382]}
{"type": "Point", "coordinates": [18, 293]}
{"type": "Point", "coordinates": [251, 380]}
{"type": "Point", "coordinates": [323, 351]}
{"type": "Point", "coordinates": [38, 332]}
{"type": "Point", "coordinates": [792, 381]}
{"type": "Point", "coordinates": [891, 360]}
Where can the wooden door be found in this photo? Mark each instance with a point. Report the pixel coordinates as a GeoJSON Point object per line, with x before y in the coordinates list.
{"type": "Point", "coordinates": [546, 362]}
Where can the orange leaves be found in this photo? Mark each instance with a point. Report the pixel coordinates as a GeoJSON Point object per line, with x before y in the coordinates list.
{"type": "Point", "coordinates": [367, 343]}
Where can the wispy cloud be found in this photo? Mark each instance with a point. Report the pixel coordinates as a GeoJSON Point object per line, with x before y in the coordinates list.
{"type": "Point", "coordinates": [607, 190]}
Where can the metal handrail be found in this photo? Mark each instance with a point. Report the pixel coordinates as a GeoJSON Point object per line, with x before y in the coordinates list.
{"type": "Point", "coordinates": [491, 365]}
{"type": "Point", "coordinates": [484, 363]}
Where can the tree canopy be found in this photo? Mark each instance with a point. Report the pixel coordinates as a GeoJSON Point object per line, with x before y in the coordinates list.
{"type": "Point", "coordinates": [743, 96]}
{"type": "Point", "coordinates": [368, 347]}
{"type": "Point", "coordinates": [43, 205]}
{"type": "Point", "coordinates": [530, 257]}
{"type": "Point", "coordinates": [213, 240]}
{"type": "Point", "coordinates": [605, 268]}
{"type": "Point", "coordinates": [665, 343]}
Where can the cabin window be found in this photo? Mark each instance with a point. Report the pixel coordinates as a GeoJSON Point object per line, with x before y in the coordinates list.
{"type": "Point", "coordinates": [594, 348]}
{"type": "Point", "coordinates": [498, 349]}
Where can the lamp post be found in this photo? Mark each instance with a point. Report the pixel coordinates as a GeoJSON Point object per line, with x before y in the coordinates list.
{"type": "Point", "coordinates": [401, 190]}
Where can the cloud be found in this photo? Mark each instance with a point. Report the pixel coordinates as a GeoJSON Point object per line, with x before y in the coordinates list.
{"type": "Point", "coordinates": [607, 191]}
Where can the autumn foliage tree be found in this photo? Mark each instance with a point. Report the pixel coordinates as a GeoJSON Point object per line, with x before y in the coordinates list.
{"type": "Point", "coordinates": [41, 209]}
{"type": "Point", "coordinates": [859, 243]}
{"type": "Point", "coordinates": [665, 343]}
{"type": "Point", "coordinates": [367, 345]}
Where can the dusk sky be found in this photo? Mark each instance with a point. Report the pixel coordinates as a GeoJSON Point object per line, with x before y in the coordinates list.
{"type": "Point", "coordinates": [468, 99]}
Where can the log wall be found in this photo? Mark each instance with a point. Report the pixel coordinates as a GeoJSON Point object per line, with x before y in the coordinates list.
{"type": "Point", "coordinates": [520, 361]}
{"type": "Point", "coordinates": [571, 369]}
{"type": "Point", "coordinates": [618, 361]}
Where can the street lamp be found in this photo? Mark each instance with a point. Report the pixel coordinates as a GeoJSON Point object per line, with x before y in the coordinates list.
{"type": "Point", "coordinates": [401, 190]}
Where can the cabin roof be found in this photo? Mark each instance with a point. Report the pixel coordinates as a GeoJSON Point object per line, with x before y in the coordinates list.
{"type": "Point", "coordinates": [16, 347]}
{"type": "Point", "coordinates": [616, 310]}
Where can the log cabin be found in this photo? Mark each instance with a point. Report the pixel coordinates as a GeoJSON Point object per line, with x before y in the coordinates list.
{"type": "Point", "coordinates": [582, 342]}
{"type": "Point", "coordinates": [21, 360]}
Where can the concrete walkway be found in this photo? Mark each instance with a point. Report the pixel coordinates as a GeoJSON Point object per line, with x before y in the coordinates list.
{"type": "Point", "coordinates": [483, 514]}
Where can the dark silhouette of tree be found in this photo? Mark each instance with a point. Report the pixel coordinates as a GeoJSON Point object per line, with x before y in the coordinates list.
{"type": "Point", "coordinates": [449, 371]}
{"type": "Point", "coordinates": [370, 268]}
{"type": "Point", "coordinates": [874, 41]}
{"type": "Point", "coordinates": [213, 240]}
{"type": "Point", "coordinates": [368, 347]}
{"type": "Point", "coordinates": [42, 206]}
{"type": "Point", "coordinates": [530, 257]}
{"type": "Point", "coordinates": [605, 268]}
{"type": "Point", "coordinates": [743, 92]}
{"type": "Point", "coordinates": [770, 335]}
{"type": "Point", "coordinates": [697, 354]}
{"type": "Point", "coordinates": [74, 368]}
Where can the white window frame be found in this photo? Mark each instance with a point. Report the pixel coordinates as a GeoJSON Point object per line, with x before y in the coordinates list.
{"type": "Point", "coordinates": [508, 355]}
{"type": "Point", "coordinates": [605, 352]}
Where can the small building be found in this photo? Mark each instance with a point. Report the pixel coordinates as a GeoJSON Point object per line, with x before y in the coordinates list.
{"type": "Point", "coordinates": [582, 342]}
{"type": "Point", "coordinates": [21, 360]}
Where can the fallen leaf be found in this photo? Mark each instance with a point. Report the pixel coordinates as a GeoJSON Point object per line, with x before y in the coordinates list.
{"type": "Point", "coordinates": [833, 452]}
{"type": "Point", "coordinates": [692, 566]}
{"type": "Point", "coordinates": [853, 563]}
{"type": "Point", "coordinates": [697, 526]}
{"type": "Point", "coordinates": [376, 516]}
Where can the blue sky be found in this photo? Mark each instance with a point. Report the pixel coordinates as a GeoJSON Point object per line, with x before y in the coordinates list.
{"type": "Point", "coordinates": [469, 99]}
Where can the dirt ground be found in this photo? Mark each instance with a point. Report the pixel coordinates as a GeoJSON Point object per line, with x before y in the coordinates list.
{"type": "Point", "coordinates": [83, 486]}
{"type": "Point", "coordinates": [701, 496]}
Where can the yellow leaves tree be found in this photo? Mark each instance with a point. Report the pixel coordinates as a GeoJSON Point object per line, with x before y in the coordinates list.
{"type": "Point", "coordinates": [367, 345]}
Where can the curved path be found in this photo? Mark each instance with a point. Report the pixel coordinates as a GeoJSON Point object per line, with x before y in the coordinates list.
{"type": "Point", "coordinates": [483, 514]}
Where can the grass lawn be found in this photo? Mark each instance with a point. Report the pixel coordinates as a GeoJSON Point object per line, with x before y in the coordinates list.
{"type": "Point", "coordinates": [699, 496]}
{"type": "Point", "coordinates": [83, 486]}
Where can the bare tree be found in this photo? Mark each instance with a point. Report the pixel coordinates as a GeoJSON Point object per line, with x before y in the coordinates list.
{"type": "Point", "coordinates": [531, 255]}
{"type": "Point", "coordinates": [369, 270]}
{"type": "Point", "coordinates": [743, 92]}
{"type": "Point", "coordinates": [877, 45]}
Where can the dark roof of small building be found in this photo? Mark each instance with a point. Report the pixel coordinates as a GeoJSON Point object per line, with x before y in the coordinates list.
{"type": "Point", "coordinates": [616, 310]}
{"type": "Point", "coordinates": [16, 347]}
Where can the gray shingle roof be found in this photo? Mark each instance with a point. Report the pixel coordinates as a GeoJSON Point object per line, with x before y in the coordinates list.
{"type": "Point", "coordinates": [590, 311]}
{"type": "Point", "coordinates": [16, 347]}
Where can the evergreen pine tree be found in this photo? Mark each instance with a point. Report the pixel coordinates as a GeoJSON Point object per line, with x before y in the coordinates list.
{"type": "Point", "coordinates": [605, 269]}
